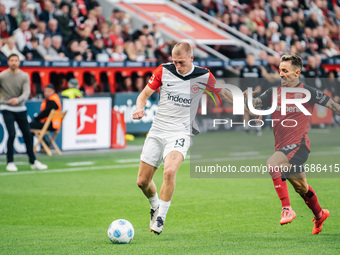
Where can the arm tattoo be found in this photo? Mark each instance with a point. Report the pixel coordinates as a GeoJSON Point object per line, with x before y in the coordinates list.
{"type": "Point", "coordinates": [333, 106]}
{"type": "Point", "coordinates": [257, 103]}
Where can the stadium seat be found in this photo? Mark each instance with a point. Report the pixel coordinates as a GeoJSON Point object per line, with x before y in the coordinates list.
{"type": "Point", "coordinates": [47, 138]}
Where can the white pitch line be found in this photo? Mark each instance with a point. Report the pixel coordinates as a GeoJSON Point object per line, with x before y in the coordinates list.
{"type": "Point", "coordinates": [79, 169]}
{"type": "Point", "coordinates": [75, 169]}
{"type": "Point", "coordinates": [246, 153]}
{"type": "Point", "coordinates": [82, 163]}
{"type": "Point", "coordinates": [129, 160]}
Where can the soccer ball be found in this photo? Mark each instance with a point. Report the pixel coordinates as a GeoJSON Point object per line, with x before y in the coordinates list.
{"type": "Point", "coordinates": [120, 231]}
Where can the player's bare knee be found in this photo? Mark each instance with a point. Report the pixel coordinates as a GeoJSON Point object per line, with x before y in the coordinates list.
{"type": "Point", "coordinates": [142, 183]}
{"type": "Point", "coordinates": [169, 173]}
{"type": "Point", "coordinates": [273, 169]}
{"type": "Point", "coordinates": [301, 189]}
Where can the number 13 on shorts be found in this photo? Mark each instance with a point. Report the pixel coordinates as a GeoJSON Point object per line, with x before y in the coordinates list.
{"type": "Point", "coordinates": [179, 142]}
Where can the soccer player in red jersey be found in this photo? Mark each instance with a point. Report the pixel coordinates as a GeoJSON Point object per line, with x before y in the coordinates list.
{"type": "Point", "coordinates": [292, 144]}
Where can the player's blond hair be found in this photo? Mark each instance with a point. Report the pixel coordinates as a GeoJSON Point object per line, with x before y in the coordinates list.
{"type": "Point", "coordinates": [182, 48]}
{"type": "Point", "coordinates": [296, 60]}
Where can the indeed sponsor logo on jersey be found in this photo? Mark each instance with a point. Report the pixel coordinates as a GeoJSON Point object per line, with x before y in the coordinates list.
{"type": "Point", "coordinates": [178, 99]}
{"type": "Point", "coordinates": [288, 109]}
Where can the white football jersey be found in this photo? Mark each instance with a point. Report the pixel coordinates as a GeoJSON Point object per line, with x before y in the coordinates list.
{"type": "Point", "coordinates": [179, 97]}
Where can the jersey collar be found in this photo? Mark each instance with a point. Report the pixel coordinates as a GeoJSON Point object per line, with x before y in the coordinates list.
{"type": "Point", "coordinates": [183, 75]}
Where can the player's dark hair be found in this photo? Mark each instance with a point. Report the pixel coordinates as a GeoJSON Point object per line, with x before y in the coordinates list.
{"type": "Point", "coordinates": [296, 60]}
{"type": "Point", "coordinates": [12, 55]}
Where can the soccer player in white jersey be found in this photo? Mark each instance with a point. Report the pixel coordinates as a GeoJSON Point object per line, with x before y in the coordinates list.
{"type": "Point", "coordinates": [181, 85]}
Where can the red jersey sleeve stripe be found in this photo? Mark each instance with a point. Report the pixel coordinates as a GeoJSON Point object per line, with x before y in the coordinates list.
{"type": "Point", "coordinates": [211, 83]}
{"type": "Point", "coordinates": [156, 79]}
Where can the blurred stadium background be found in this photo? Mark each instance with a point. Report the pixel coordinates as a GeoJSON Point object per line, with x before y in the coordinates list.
{"type": "Point", "coordinates": [112, 47]}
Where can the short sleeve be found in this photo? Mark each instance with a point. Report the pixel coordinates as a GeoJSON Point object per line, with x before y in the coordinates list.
{"type": "Point", "coordinates": [266, 98]}
{"type": "Point", "coordinates": [211, 83]}
{"type": "Point", "coordinates": [156, 79]}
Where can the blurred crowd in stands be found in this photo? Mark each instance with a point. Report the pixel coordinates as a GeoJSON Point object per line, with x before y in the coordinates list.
{"type": "Point", "coordinates": [309, 28]}
{"type": "Point", "coordinates": [76, 30]}
{"type": "Point", "coordinates": [304, 27]}
{"type": "Point", "coordinates": [72, 30]}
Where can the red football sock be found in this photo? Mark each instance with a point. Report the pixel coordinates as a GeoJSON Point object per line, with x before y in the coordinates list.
{"type": "Point", "coordinates": [312, 202]}
{"type": "Point", "coordinates": [282, 191]}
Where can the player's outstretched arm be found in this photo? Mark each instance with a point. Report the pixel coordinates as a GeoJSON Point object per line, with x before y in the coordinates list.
{"type": "Point", "coordinates": [226, 96]}
{"type": "Point", "coordinates": [333, 106]}
{"type": "Point", "coordinates": [141, 102]}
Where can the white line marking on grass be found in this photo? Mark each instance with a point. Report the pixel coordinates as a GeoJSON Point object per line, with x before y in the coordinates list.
{"type": "Point", "coordinates": [75, 169]}
{"type": "Point", "coordinates": [18, 163]}
{"type": "Point", "coordinates": [79, 169]}
{"type": "Point", "coordinates": [83, 163]}
{"type": "Point", "coordinates": [129, 160]}
{"type": "Point", "coordinates": [246, 153]}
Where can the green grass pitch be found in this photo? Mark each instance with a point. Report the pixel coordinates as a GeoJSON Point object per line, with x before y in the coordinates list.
{"type": "Point", "coordinates": [68, 208]}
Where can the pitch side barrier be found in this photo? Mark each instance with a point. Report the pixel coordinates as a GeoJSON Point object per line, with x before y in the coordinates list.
{"type": "Point", "coordinates": [87, 124]}
{"type": "Point", "coordinates": [44, 72]}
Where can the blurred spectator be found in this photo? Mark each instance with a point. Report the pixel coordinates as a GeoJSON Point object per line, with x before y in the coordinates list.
{"type": "Point", "coordinates": [288, 37]}
{"type": "Point", "coordinates": [99, 51]}
{"type": "Point", "coordinates": [75, 18]}
{"type": "Point", "coordinates": [73, 91]}
{"type": "Point", "coordinates": [51, 101]}
{"type": "Point", "coordinates": [52, 28]}
{"type": "Point", "coordinates": [5, 17]}
{"type": "Point", "coordinates": [57, 45]}
{"type": "Point", "coordinates": [12, 19]}
{"type": "Point", "coordinates": [260, 35]}
{"type": "Point", "coordinates": [84, 50]}
{"type": "Point", "coordinates": [139, 83]}
{"type": "Point", "coordinates": [118, 17]}
{"type": "Point", "coordinates": [140, 51]}
{"type": "Point", "coordinates": [64, 22]}
{"type": "Point", "coordinates": [33, 29]}
{"type": "Point", "coordinates": [90, 85]}
{"type": "Point", "coordinates": [3, 57]}
{"type": "Point", "coordinates": [126, 32]}
{"type": "Point", "coordinates": [118, 53]}
{"type": "Point", "coordinates": [104, 32]}
{"type": "Point", "coordinates": [4, 33]}
{"type": "Point", "coordinates": [48, 12]}
{"type": "Point", "coordinates": [151, 50]}
{"type": "Point", "coordinates": [269, 70]}
{"type": "Point", "coordinates": [115, 36]}
{"type": "Point", "coordinates": [312, 21]}
{"type": "Point", "coordinates": [130, 51]}
{"type": "Point", "coordinates": [313, 73]}
{"type": "Point", "coordinates": [46, 50]}
{"type": "Point", "coordinates": [126, 85]}
{"type": "Point", "coordinates": [331, 49]}
{"type": "Point", "coordinates": [30, 50]}
{"type": "Point", "coordinates": [143, 31]}
{"type": "Point", "coordinates": [98, 12]}
{"type": "Point", "coordinates": [93, 18]}
{"type": "Point", "coordinates": [22, 35]}
{"type": "Point", "coordinates": [32, 9]}
{"type": "Point", "coordinates": [73, 51]}
{"type": "Point", "coordinates": [24, 13]}
{"type": "Point", "coordinates": [84, 32]}
{"type": "Point", "coordinates": [10, 48]}
{"type": "Point", "coordinates": [41, 31]}
{"type": "Point", "coordinates": [251, 78]}
{"type": "Point", "coordinates": [157, 35]}
{"type": "Point", "coordinates": [244, 30]}
{"type": "Point", "coordinates": [234, 21]}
